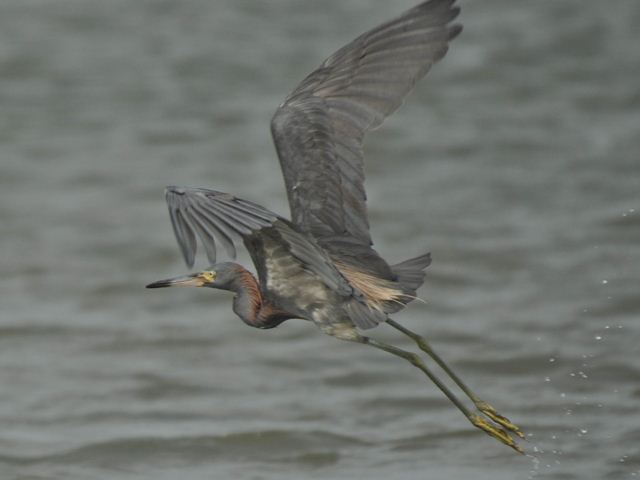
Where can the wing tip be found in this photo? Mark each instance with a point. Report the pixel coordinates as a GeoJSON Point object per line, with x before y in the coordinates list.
{"type": "Point", "coordinates": [173, 189]}
{"type": "Point", "coordinates": [454, 30]}
{"type": "Point", "coordinates": [201, 215]}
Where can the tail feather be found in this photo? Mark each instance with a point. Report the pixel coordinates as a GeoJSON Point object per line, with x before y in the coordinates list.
{"type": "Point", "coordinates": [410, 273]}
{"type": "Point", "coordinates": [364, 316]}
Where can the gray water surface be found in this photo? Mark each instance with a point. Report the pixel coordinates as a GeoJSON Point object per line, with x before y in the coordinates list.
{"type": "Point", "coordinates": [515, 163]}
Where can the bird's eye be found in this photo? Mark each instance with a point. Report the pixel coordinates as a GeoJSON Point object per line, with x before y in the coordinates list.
{"type": "Point", "coordinates": [209, 275]}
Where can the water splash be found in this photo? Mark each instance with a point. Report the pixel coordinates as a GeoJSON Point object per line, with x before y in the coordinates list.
{"type": "Point", "coordinates": [535, 462]}
{"type": "Point", "coordinates": [535, 466]}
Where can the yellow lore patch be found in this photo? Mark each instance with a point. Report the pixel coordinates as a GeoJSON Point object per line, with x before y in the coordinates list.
{"type": "Point", "coordinates": [208, 276]}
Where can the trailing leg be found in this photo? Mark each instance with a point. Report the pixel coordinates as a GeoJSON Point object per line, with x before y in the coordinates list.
{"type": "Point", "coordinates": [417, 362]}
{"type": "Point", "coordinates": [480, 404]}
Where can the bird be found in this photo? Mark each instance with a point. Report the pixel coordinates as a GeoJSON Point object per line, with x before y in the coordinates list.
{"type": "Point", "coordinates": [320, 265]}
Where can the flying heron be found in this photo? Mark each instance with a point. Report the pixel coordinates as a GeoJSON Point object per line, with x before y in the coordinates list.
{"type": "Point", "coordinates": [320, 265]}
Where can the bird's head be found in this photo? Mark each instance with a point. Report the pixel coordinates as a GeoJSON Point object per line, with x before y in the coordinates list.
{"type": "Point", "coordinates": [220, 275]}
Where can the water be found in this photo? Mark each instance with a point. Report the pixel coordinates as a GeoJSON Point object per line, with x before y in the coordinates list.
{"type": "Point", "coordinates": [515, 163]}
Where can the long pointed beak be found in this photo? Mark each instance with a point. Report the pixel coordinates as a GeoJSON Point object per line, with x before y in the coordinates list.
{"type": "Point", "coordinates": [194, 280]}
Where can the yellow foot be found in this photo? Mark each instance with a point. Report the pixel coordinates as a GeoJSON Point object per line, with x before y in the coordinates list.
{"type": "Point", "coordinates": [490, 412]}
{"type": "Point", "coordinates": [495, 432]}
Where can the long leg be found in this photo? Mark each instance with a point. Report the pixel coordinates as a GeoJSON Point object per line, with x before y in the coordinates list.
{"type": "Point", "coordinates": [415, 360]}
{"type": "Point", "coordinates": [483, 406]}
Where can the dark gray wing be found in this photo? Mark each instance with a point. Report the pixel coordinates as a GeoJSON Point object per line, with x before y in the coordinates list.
{"type": "Point", "coordinates": [319, 129]}
{"type": "Point", "coordinates": [216, 217]}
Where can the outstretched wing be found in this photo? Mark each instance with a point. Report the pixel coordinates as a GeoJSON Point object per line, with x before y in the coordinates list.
{"type": "Point", "coordinates": [211, 216]}
{"type": "Point", "coordinates": [319, 129]}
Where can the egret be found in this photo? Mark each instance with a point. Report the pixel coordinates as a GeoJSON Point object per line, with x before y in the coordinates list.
{"type": "Point", "coordinates": [320, 265]}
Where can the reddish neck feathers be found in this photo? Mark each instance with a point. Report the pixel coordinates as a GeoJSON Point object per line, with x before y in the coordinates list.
{"type": "Point", "coordinates": [251, 306]}
{"type": "Point", "coordinates": [249, 287]}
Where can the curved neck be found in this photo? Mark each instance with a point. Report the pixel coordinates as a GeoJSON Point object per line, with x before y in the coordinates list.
{"type": "Point", "coordinates": [247, 301]}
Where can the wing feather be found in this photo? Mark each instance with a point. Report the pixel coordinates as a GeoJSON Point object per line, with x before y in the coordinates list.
{"type": "Point", "coordinates": [208, 216]}
{"type": "Point", "coordinates": [218, 230]}
{"type": "Point", "coordinates": [203, 231]}
{"type": "Point", "coordinates": [319, 129]}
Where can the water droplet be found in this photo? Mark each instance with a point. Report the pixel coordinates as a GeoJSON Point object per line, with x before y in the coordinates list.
{"type": "Point", "coordinates": [551, 360]}
{"type": "Point", "coordinates": [604, 282]}
{"type": "Point", "coordinates": [547, 379]}
{"type": "Point", "coordinates": [598, 337]}
{"type": "Point", "coordinates": [563, 395]}
{"type": "Point", "coordinates": [583, 431]}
